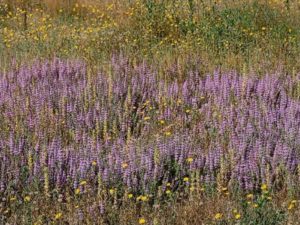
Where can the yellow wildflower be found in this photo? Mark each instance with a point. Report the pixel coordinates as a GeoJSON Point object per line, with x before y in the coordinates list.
{"type": "Point", "coordinates": [168, 192]}
{"type": "Point", "coordinates": [142, 221]}
{"type": "Point", "coordinates": [77, 191]}
{"type": "Point", "coordinates": [185, 179]}
{"type": "Point", "coordinates": [218, 216]}
{"type": "Point", "coordinates": [27, 198]}
{"type": "Point", "coordinates": [130, 195]}
{"type": "Point", "coordinates": [124, 165]}
{"type": "Point", "coordinates": [111, 191]}
{"type": "Point", "coordinates": [147, 118]}
{"type": "Point", "coordinates": [58, 216]}
{"type": "Point", "coordinates": [237, 216]}
{"type": "Point", "coordinates": [249, 196]}
{"type": "Point", "coordinates": [144, 198]}
{"type": "Point", "coordinates": [168, 133]}
{"type": "Point", "coordinates": [264, 187]}
{"type": "Point", "coordinates": [189, 159]}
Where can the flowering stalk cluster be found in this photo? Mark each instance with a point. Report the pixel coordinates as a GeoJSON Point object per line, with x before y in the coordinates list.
{"type": "Point", "coordinates": [61, 125]}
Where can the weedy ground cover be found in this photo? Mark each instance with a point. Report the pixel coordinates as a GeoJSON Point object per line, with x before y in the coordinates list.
{"type": "Point", "coordinates": [126, 132]}
{"type": "Point", "coordinates": [149, 112]}
{"type": "Point", "coordinates": [263, 35]}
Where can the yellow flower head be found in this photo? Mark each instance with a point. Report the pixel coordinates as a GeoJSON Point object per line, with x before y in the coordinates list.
{"type": "Point", "coordinates": [142, 221]}
{"type": "Point", "coordinates": [249, 196]}
{"type": "Point", "coordinates": [168, 133]}
{"type": "Point", "coordinates": [189, 159]}
{"type": "Point", "coordinates": [185, 179]}
{"type": "Point", "coordinates": [27, 198]}
{"type": "Point", "coordinates": [162, 122]}
{"type": "Point", "coordinates": [168, 184]}
{"type": "Point", "coordinates": [218, 216]}
{"type": "Point", "coordinates": [255, 205]}
{"type": "Point", "coordinates": [111, 191]}
{"type": "Point", "coordinates": [94, 163]}
{"type": "Point", "coordinates": [147, 118]}
{"type": "Point", "coordinates": [58, 215]}
{"type": "Point", "coordinates": [124, 165]}
{"type": "Point", "coordinates": [237, 216]}
{"type": "Point", "coordinates": [264, 187]}
{"type": "Point", "coordinates": [77, 191]}
{"type": "Point", "coordinates": [168, 192]}
{"type": "Point", "coordinates": [130, 195]}
{"type": "Point", "coordinates": [144, 198]}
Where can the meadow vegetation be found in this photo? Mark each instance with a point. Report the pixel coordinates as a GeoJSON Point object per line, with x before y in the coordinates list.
{"type": "Point", "coordinates": [243, 35]}
{"type": "Point", "coordinates": [149, 112]}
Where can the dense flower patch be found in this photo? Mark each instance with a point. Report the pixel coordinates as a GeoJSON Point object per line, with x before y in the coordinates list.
{"type": "Point", "coordinates": [129, 128]}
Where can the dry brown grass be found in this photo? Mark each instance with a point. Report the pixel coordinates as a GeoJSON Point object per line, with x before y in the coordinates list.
{"type": "Point", "coordinates": [197, 209]}
{"type": "Point", "coordinates": [54, 5]}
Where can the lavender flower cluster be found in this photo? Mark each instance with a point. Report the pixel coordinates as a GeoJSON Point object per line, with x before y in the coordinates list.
{"type": "Point", "coordinates": [61, 123]}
